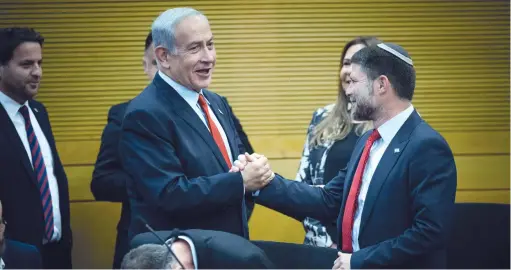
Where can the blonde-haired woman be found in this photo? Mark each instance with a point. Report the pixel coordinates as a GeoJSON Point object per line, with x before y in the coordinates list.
{"type": "Point", "coordinates": [331, 137]}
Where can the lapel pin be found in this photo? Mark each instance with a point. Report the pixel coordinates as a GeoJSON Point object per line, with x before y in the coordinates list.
{"type": "Point", "coordinates": [220, 111]}
{"type": "Point", "coordinates": [35, 109]}
{"type": "Point", "coordinates": [396, 150]}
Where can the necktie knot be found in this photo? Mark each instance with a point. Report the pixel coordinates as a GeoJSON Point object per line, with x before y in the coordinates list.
{"type": "Point", "coordinates": [202, 101]}
{"type": "Point", "coordinates": [375, 135]}
{"type": "Point", "coordinates": [24, 112]}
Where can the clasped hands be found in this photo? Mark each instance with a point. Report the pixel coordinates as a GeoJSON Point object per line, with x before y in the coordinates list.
{"type": "Point", "coordinates": [255, 170]}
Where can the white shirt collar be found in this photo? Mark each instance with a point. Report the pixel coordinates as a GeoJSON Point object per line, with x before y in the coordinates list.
{"type": "Point", "coordinates": [191, 96]}
{"type": "Point", "coordinates": [390, 128]}
{"type": "Point", "coordinates": [12, 107]}
{"type": "Point", "coordinates": [2, 264]}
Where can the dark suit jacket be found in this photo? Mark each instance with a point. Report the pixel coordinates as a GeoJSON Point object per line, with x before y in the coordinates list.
{"type": "Point", "coordinates": [241, 133]}
{"type": "Point", "coordinates": [178, 177]}
{"type": "Point", "coordinates": [109, 180]}
{"type": "Point", "coordinates": [215, 249]}
{"type": "Point", "coordinates": [409, 204]}
{"type": "Point", "coordinates": [19, 192]}
{"type": "Point", "coordinates": [19, 255]}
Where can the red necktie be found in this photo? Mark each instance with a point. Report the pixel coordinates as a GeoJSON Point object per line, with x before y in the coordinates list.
{"type": "Point", "coordinates": [214, 131]}
{"type": "Point", "coordinates": [40, 172]}
{"type": "Point", "coordinates": [351, 201]}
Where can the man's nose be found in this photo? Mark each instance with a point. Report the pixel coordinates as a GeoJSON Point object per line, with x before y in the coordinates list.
{"type": "Point", "coordinates": [208, 55]}
{"type": "Point", "coordinates": [37, 71]}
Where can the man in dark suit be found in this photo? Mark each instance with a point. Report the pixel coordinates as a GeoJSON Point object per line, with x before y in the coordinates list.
{"type": "Point", "coordinates": [108, 179]}
{"type": "Point", "coordinates": [33, 184]}
{"type": "Point", "coordinates": [178, 139]}
{"type": "Point", "coordinates": [395, 200]}
{"type": "Point", "coordinates": [204, 249]}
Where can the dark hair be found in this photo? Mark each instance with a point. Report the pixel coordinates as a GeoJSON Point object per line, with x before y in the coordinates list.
{"type": "Point", "coordinates": [11, 38]}
{"type": "Point", "coordinates": [148, 41]}
{"type": "Point", "coordinates": [376, 62]}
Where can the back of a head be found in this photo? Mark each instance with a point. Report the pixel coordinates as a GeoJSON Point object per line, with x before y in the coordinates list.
{"type": "Point", "coordinates": [392, 61]}
{"type": "Point", "coordinates": [148, 41]}
{"type": "Point", "coordinates": [163, 28]}
{"type": "Point", "coordinates": [148, 256]}
{"type": "Point", "coordinates": [11, 38]}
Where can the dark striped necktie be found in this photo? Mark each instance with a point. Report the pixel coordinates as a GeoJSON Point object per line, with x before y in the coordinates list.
{"type": "Point", "coordinates": [41, 174]}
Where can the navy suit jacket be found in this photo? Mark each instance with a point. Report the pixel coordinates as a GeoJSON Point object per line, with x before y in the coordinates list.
{"type": "Point", "coordinates": [178, 177]}
{"type": "Point", "coordinates": [409, 206]}
{"type": "Point", "coordinates": [19, 192]}
{"type": "Point", "coordinates": [19, 255]}
{"type": "Point", "coordinates": [109, 179]}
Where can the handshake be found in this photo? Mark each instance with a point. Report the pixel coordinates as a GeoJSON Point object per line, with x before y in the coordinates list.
{"type": "Point", "coordinates": [255, 170]}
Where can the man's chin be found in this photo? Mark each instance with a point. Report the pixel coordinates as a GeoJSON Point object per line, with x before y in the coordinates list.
{"type": "Point", "coordinates": [30, 93]}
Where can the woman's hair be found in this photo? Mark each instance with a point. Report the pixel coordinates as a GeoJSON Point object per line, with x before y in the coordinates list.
{"type": "Point", "coordinates": [338, 123]}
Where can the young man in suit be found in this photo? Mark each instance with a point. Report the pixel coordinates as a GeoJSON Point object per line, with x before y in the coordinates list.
{"type": "Point", "coordinates": [395, 200]}
{"type": "Point", "coordinates": [33, 184]}
{"type": "Point", "coordinates": [178, 139]}
{"type": "Point", "coordinates": [109, 179]}
{"type": "Point", "coordinates": [198, 249]}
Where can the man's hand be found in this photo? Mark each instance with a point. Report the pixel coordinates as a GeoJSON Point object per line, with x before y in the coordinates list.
{"type": "Point", "coordinates": [343, 261]}
{"type": "Point", "coordinates": [239, 165]}
{"type": "Point", "coordinates": [255, 170]}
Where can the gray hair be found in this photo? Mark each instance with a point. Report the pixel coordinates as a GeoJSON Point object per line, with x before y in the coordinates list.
{"type": "Point", "coordinates": [148, 256]}
{"type": "Point", "coordinates": [163, 28]}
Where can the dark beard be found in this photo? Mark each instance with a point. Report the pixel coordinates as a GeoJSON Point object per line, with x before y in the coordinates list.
{"type": "Point", "coordinates": [362, 112]}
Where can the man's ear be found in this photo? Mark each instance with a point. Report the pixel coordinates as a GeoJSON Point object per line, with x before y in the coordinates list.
{"type": "Point", "coordinates": [383, 84]}
{"type": "Point", "coordinates": [161, 55]}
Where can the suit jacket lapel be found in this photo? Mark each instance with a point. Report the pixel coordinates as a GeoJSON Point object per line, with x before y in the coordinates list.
{"type": "Point", "coordinates": [14, 140]}
{"type": "Point", "coordinates": [224, 122]}
{"type": "Point", "coordinates": [386, 164]}
{"type": "Point", "coordinates": [183, 110]}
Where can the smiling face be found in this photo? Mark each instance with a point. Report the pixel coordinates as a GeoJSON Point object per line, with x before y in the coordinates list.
{"type": "Point", "coordinates": [20, 77]}
{"type": "Point", "coordinates": [193, 61]}
{"type": "Point", "coordinates": [360, 92]}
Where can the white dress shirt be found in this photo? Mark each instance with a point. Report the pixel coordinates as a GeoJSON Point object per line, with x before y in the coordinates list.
{"type": "Point", "coordinates": [2, 264]}
{"type": "Point", "coordinates": [192, 98]}
{"type": "Point", "coordinates": [387, 132]}
{"type": "Point", "coordinates": [12, 108]}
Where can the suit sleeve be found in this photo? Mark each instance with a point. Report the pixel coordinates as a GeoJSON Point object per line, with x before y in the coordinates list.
{"type": "Point", "coordinates": [299, 200]}
{"type": "Point", "coordinates": [149, 156]}
{"type": "Point", "coordinates": [432, 181]}
{"type": "Point", "coordinates": [109, 179]}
